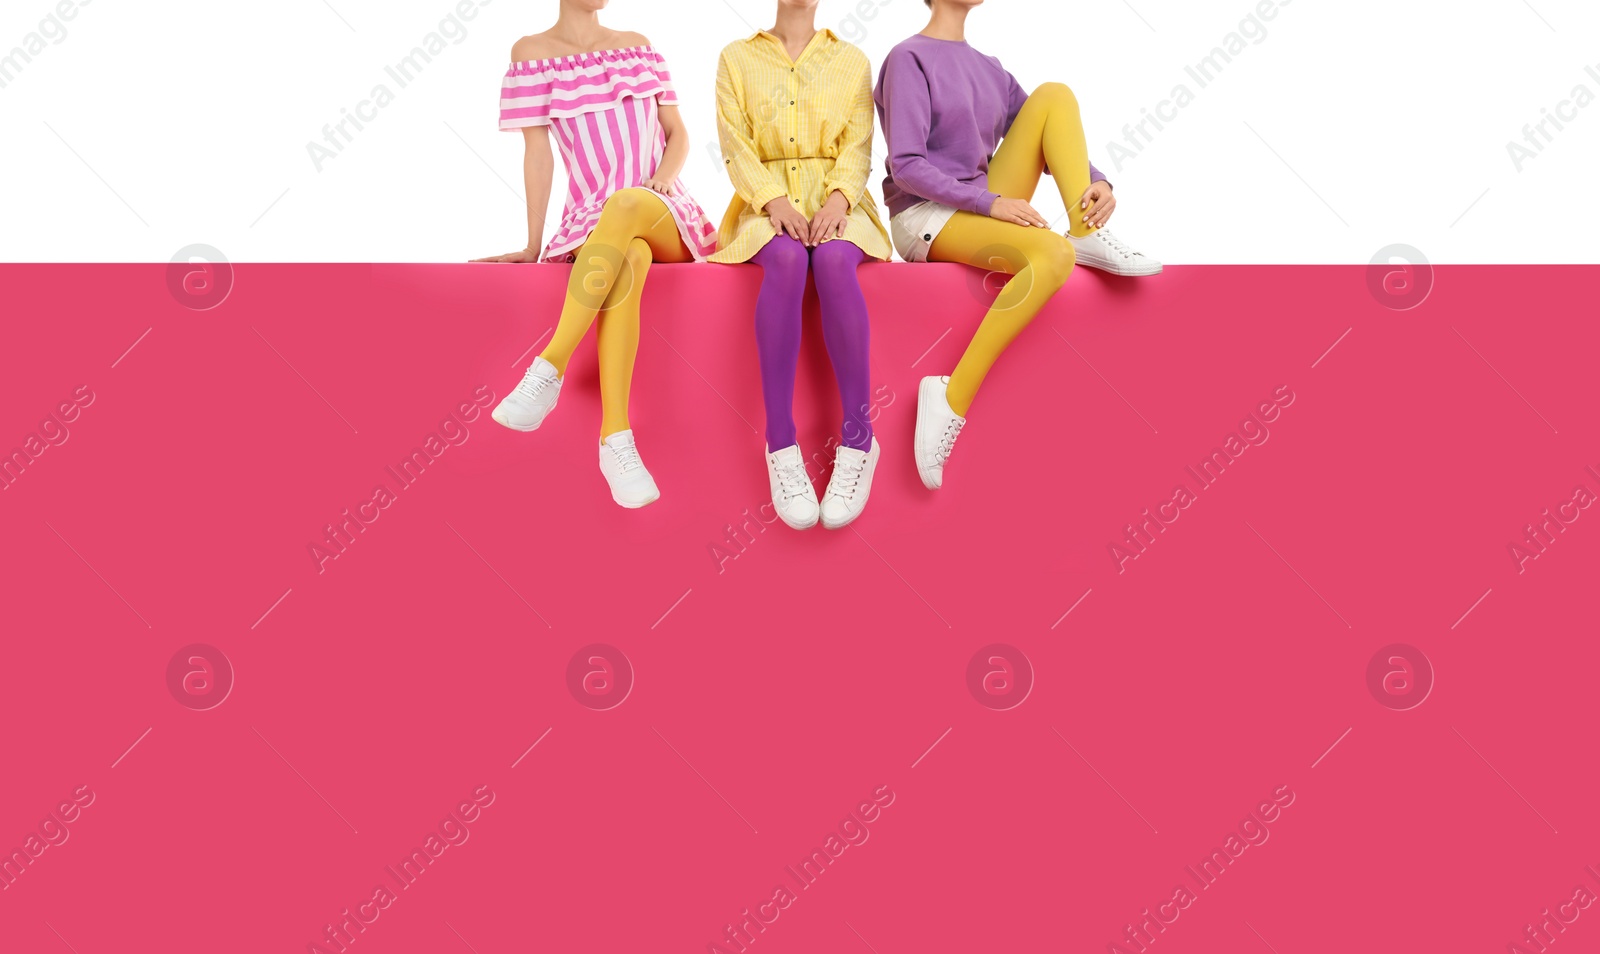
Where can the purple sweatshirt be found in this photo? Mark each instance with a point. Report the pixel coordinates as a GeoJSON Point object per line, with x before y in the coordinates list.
{"type": "Point", "coordinates": [944, 108]}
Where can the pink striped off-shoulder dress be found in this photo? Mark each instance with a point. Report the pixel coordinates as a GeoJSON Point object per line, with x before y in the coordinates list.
{"type": "Point", "coordinates": [601, 108]}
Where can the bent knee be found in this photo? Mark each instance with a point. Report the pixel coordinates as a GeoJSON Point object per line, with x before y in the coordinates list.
{"type": "Point", "coordinates": [1053, 260]}
{"type": "Point", "coordinates": [1057, 93]}
{"type": "Point", "coordinates": [637, 255]}
{"type": "Point", "coordinates": [785, 255]}
{"type": "Point", "coordinates": [631, 202]}
{"type": "Point", "coordinates": [836, 259]}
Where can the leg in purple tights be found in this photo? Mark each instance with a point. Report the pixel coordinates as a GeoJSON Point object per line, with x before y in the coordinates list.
{"type": "Point", "coordinates": [784, 263]}
{"type": "Point", "coordinates": [846, 333]}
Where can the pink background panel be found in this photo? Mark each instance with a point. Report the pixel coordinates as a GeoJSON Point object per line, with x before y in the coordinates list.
{"type": "Point", "coordinates": [780, 679]}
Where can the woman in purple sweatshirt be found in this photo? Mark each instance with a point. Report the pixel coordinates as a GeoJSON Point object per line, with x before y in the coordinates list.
{"type": "Point", "coordinates": [955, 197]}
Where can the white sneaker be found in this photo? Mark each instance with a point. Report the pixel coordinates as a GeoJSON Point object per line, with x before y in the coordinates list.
{"type": "Point", "coordinates": [1106, 252]}
{"type": "Point", "coordinates": [937, 429]}
{"type": "Point", "coordinates": [631, 484]}
{"type": "Point", "coordinates": [525, 408]}
{"type": "Point", "coordinates": [793, 497]}
{"type": "Point", "coordinates": [849, 486]}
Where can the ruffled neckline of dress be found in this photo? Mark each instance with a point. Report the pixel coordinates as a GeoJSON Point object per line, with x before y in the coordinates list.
{"type": "Point", "coordinates": [621, 54]}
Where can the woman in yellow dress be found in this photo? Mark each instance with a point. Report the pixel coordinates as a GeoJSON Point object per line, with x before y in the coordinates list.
{"type": "Point", "coordinates": [795, 111]}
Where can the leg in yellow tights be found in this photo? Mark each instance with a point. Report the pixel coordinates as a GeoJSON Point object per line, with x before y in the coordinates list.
{"type": "Point", "coordinates": [1048, 133]}
{"type": "Point", "coordinates": [617, 338]}
{"type": "Point", "coordinates": [635, 229]}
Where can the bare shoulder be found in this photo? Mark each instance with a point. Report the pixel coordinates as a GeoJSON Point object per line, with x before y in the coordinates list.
{"type": "Point", "coordinates": [627, 38]}
{"type": "Point", "coordinates": [537, 46]}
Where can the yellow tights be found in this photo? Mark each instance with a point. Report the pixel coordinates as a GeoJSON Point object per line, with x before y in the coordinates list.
{"type": "Point", "coordinates": [635, 229]}
{"type": "Point", "coordinates": [1048, 132]}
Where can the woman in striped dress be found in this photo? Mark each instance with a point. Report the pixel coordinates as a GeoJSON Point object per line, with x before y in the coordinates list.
{"type": "Point", "coordinates": [794, 110]}
{"type": "Point", "coordinates": [606, 97]}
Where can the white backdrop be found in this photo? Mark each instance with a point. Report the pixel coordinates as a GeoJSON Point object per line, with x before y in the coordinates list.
{"type": "Point", "coordinates": [132, 130]}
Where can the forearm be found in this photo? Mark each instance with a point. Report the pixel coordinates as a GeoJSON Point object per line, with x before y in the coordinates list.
{"type": "Point", "coordinates": [537, 174]}
{"type": "Point", "coordinates": [753, 182]}
{"type": "Point", "coordinates": [674, 156]}
{"type": "Point", "coordinates": [854, 164]}
{"type": "Point", "coordinates": [833, 203]}
{"type": "Point", "coordinates": [921, 177]}
{"type": "Point", "coordinates": [848, 186]}
{"type": "Point", "coordinates": [751, 179]}
{"type": "Point", "coordinates": [848, 177]}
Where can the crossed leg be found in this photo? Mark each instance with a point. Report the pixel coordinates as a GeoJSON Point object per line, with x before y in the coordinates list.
{"type": "Point", "coordinates": [635, 229]}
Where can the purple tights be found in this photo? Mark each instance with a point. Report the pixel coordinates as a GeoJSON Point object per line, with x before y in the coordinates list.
{"type": "Point", "coordinates": [784, 263]}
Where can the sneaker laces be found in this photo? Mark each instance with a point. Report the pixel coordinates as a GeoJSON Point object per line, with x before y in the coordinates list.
{"type": "Point", "coordinates": [533, 382]}
{"type": "Point", "coordinates": [1115, 244]}
{"type": "Point", "coordinates": [792, 479]}
{"type": "Point", "coordinates": [947, 443]}
{"type": "Point", "coordinates": [846, 476]}
{"type": "Point", "coordinates": [627, 457]}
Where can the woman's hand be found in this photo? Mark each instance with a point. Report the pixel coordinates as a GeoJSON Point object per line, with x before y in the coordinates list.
{"type": "Point", "coordinates": [1017, 212]}
{"type": "Point", "coordinates": [663, 186]}
{"type": "Point", "coordinates": [788, 220]}
{"type": "Point", "coordinates": [1099, 203]}
{"type": "Point", "coordinates": [831, 219]}
{"type": "Point", "coordinates": [514, 258]}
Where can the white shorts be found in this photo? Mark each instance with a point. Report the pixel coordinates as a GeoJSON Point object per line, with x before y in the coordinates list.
{"type": "Point", "coordinates": [915, 229]}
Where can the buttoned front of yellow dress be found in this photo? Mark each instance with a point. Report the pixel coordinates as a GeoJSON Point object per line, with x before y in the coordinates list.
{"type": "Point", "coordinates": [798, 128]}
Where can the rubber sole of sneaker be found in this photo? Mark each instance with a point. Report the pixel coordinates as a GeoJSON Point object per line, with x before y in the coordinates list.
{"type": "Point", "coordinates": [507, 424]}
{"type": "Point", "coordinates": [635, 506]}
{"type": "Point", "coordinates": [925, 394]}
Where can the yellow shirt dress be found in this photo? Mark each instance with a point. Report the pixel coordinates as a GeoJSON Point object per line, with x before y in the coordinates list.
{"type": "Point", "coordinates": [800, 128]}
